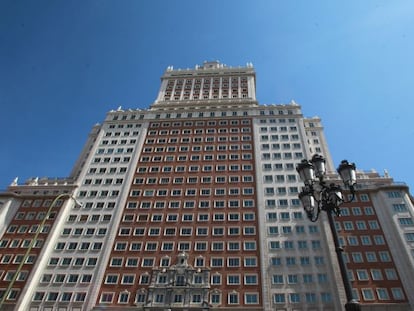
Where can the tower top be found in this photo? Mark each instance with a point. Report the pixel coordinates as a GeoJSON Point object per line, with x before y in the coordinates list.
{"type": "Point", "coordinates": [212, 84]}
{"type": "Point", "coordinates": [209, 65]}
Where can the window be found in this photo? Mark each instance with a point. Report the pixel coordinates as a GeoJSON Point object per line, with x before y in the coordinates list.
{"type": "Point", "coordinates": [376, 274]}
{"type": "Point", "coordinates": [128, 279]}
{"type": "Point", "coordinates": [326, 297]}
{"type": "Point", "coordinates": [367, 294]}
{"type": "Point", "coordinates": [406, 221]}
{"type": "Point", "coordinates": [357, 257]}
{"type": "Point", "coordinates": [362, 275]}
{"type": "Point", "coordinates": [106, 297]}
{"type": "Point", "coordinates": [384, 256]}
{"type": "Point", "coordinates": [379, 240]}
{"type": "Point", "coordinates": [294, 298]}
{"type": "Point", "coordinates": [250, 261]}
{"type": "Point", "coordinates": [307, 278]}
{"type": "Point", "coordinates": [233, 298]}
{"type": "Point", "coordinates": [397, 293]}
{"type": "Point", "coordinates": [292, 279]}
{"type": "Point", "coordinates": [216, 262]}
{"type": "Point", "coordinates": [371, 256]}
{"type": "Point", "coordinates": [391, 274]}
{"type": "Point", "coordinates": [251, 298]}
{"type": "Point", "coordinates": [279, 298]}
{"type": "Point", "coordinates": [111, 279]}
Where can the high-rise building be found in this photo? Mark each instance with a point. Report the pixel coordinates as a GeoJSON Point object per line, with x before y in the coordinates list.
{"type": "Point", "coordinates": [193, 204]}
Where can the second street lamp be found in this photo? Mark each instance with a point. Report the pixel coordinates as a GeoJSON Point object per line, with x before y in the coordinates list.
{"type": "Point", "coordinates": [317, 196]}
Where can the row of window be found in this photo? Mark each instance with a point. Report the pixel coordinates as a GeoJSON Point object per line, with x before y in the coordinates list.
{"type": "Point", "coordinates": [205, 95]}
{"type": "Point", "coordinates": [284, 146]}
{"type": "Point", "coordinates": [216, 279]}
{"type": "Point", "coordinates": [89, 218]}
{"type": "Point", "coordinates": [17, 259]}
{"type": "Point", "coordinates": [22, 229]}
{"type": "Point", "coordinates": [357, 224]}
{"type": "Point", "coordinates": [285, 216]}
{"type": "Point", "coordinates": [77, 262]}
{"type": "Point", "coordinates": [277, 166]}
{"type": "Point", "coordinates": [9, 275]}
{"type": "Point", "coordinates": [41, 203]}
{"type": "Point", "coordinates": [215, 89]}
{"type": "Point", "coordinates": [187, 140]}
{"type": "Point", "coordinates": [373, 274]}
{"type": "Point", "coordinates": [196, 168]}
{"type": "Point", "coordinates": [370, 294]}
{"type": "Point", "coordinates": [362, 240]}
{"type": "Point", "coordinates": [96, 205]}
{"type": "Point", "coordinates": [287, 230]}
{"type": "Point", "coordinates": [33, 215]}
{"type": "Point", "coordinates": [105, 170]}
{"type": "Point", "coordinates": [399, 207]}
{"type": "Point", "coordinates": [291, 128]}
{"type": "Point", "coordinates": [226, 79]}
{"type": "Point", "coordinates": [359, 257]}
{"type": "Point", "coordinates": [15, 243]}
{"type": "Point", "coordinates": [202, 123]}
{"type": "Point", "coordinates": [101, 194]}
{"type": "Point", "coordinates": [280, 190]}
{"type": "Point", "coordinates": [193, 180]}
{"type": "Point", "coordinates": [196, 158]}
{"type": "Point", "coordinates": [307, 278]}
{"type": "Point", "coordinates": [405, 221]}
{"type": "Point", "coordinates": [106, 142]}
{"type": "Point", "coordinates": [111, 160]}
{"type": "Point", "coordinates": [186, 231]}
{"type": "Point", "coordinates": [233, 298]}
{"type": "Point", "coordinates": [100, 181]}
{"type": "Point", "coordinates": [113, 150]}
{"type": "Point", "coordinates": [282, 203]}
{"type": "Point", "coordinates": [57, 296]}
{"type": "Point", "coordinates": [293, 261]}
{"type": "Point", "coordinates": [84, 231]}
{"type": "Point", "coordinates": [279, 156]}
{"type": "Point", "coordinates": [199, 261]}
{"type": "Point", "coordinates": [196, 148]}
{"type": "Point", "coordinates": [290, 245]}
{"type": "Point", "coordinates": [276, 137]}
{"type": "Point", "coordinates": [186, 246]}
{"type": "Point", "coordinates": [199, 123]}
{"type": "Point", "coordinates": [199, 131]}
{"type": "Point", "coordinates": [194, 192]}
{"type": "Point", "coordinates": [61, 278]}
{"type": "Point", "coordinates": [282, 298]}
{"type": "Point", "coordinates": [199, 217]}
{"type": "Point", "coordinates": [124, 134]}
{"type": "Point", "coordinates": [279, 178]}
{"type": "Point", "coordinates": [201, 114]}
{"type": "Point", "coordinates": [189, 204]}
{"type": "Point", "coordinates": [82, 246]}
{"type": "Point", "coordinates": [125, 117]}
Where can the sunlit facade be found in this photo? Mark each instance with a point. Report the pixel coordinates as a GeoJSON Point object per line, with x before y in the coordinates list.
{"type": "Point", "coordinates": [192, 204]}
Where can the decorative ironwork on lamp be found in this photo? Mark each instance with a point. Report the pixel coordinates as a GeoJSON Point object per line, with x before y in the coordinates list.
{"type": "Point", "coordinates": [317, 195]}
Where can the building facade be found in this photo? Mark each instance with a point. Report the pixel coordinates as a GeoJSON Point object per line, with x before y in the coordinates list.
{"type": "Point", "coordinates": [193, 204]}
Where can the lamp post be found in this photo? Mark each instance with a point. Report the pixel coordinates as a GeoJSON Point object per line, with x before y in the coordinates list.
{"type": "Point", "coordinates": [317, 196]}
{"type": "Point", "coordinates": [32, 244]}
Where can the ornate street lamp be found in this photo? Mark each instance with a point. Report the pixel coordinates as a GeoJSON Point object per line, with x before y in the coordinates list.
{"type": "Point", "coordinates": [317, 196]}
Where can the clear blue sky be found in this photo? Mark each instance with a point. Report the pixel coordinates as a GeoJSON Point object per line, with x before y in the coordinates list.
{"type": "Point", "coordinates": [64, 64]}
